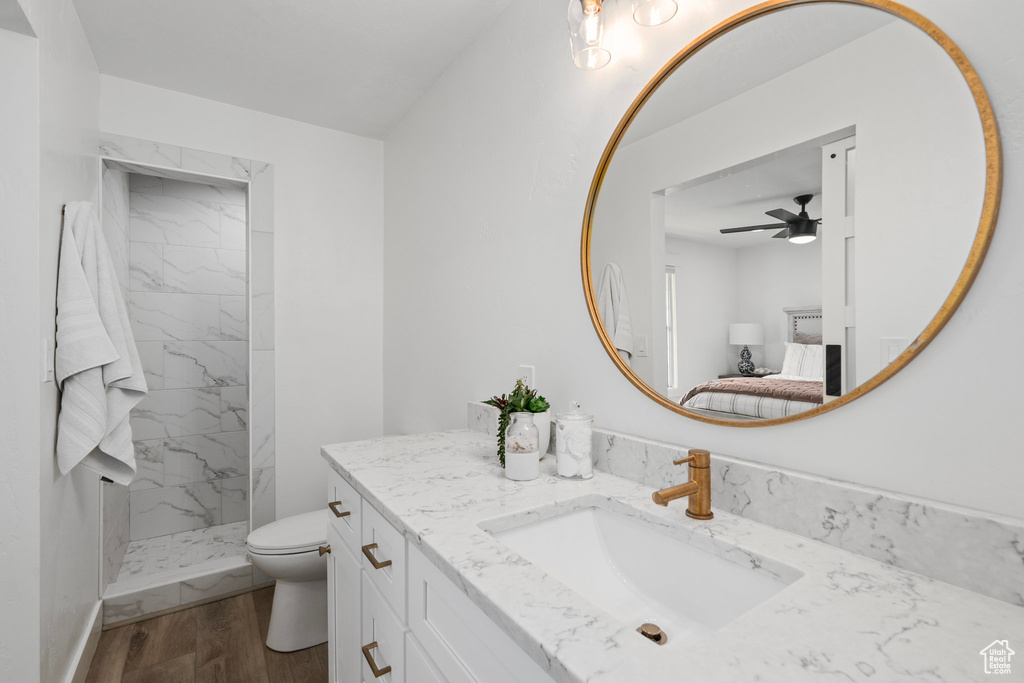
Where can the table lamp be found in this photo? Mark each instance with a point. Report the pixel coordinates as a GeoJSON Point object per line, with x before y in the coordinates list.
{"type": "Point", "coordinates": [745, 335]}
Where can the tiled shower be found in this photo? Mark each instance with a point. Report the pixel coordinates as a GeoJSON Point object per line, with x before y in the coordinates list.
{"type": "Point", "coordinates": [182, 245]}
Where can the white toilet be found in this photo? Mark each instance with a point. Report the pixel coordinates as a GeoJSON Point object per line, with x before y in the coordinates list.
{"type": "Point", "coordinates": [288, 550]}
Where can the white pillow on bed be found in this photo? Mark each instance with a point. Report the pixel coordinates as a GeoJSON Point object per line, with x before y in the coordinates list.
{"type": "Point", "coordinates": [804, 360]}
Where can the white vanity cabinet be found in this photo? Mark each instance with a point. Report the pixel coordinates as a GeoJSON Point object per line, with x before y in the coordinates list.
{"type": "Point", "coordinates": [395, 618]}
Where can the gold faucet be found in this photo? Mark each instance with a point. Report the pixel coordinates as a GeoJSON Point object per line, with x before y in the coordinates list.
{"type": "Point", "coordinates": [698, 488]}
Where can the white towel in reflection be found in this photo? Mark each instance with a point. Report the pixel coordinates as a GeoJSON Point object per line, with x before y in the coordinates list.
{"type": "Point", "coordinates": [613, 307]}
{"type": "Point", "coordinates": [97, 365]}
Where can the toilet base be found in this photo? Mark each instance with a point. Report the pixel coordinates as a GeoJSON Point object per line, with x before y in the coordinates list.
{"type": "Point", "coordinates": [298, 618]}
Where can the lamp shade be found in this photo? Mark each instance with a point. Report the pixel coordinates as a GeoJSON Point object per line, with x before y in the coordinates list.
{"type": "Point", "coordinates": [746, 334]}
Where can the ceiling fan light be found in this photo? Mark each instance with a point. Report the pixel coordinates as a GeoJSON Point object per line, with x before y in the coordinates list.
{"type": "Point", "coordinates": [802, 239]}
{"type": "Point", "coordinates": [653, 12]}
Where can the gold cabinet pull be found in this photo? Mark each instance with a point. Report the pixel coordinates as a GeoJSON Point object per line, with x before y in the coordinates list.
{"type": "Point", "coordinates": [377, 673]}
{"type": "Point", "coordinates": [324, 549]}
{"type": "Point", "coordinates": [372, 559]}
{"type": "Point", "coordinates": [338, 513]}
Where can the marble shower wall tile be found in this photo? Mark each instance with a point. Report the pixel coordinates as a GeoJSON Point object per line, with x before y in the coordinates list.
{"type": "Point", "coordinates": [206, 194]}
{"type": "Point", "coordinates": [137, 182]}
{"type": "Point", "coordinates": [205, 458]}
{"type": "Point", "coordinates": [204, 364]}
{"type": "Point", "coordinates": [234, 409]}
{"type": "Point", "coordinates": [261, 198]}
{"type": "Point", "coordinates": [142, 151]}
{"type": "Point", "coordinates": [264, 505]}
{"type": "Point", "coordinates": [968, 548]}
{"type": "Point", "coordinates": [114, 220]}
{"type": "Point", "coordinates": [215, 164]}
{"type": "Point", "coordinates": [263, 410]}
{"type": "Point", "coordinates": [114, 529]}
{"type": "Point", "coordinates": [176, 412]}
{"type": "Point", "coordinates": [157, 316]}
{"type": "Point", "coordinates": [263, 321]}
{"type": "Point", "coordinates": [234, 495]}
{"type": "Point", "coordinates": [233, 318]}
{"type": "Point", "coordinates": [197, 270]}
{"type": "Point", "coordinates": [232, 227]}
{"type": "Point", "coordinates": [172, 220]}
{"type": "Point", "coordinates": [149, 461]}
{"type": "Point", "coordinates": [146, 269]}
{"type": "Point", "coordinates": [170, 509]}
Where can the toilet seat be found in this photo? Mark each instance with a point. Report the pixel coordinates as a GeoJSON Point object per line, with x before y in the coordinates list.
{"type": "Point", "coordinates": [291, 535]}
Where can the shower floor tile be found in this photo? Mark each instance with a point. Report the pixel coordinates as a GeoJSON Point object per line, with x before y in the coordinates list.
{"type": "Point", "coordinates": [182, 550]}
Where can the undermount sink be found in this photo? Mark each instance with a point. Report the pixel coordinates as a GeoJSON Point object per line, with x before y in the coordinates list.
{"type": "Point", "coordinates": [638, 574]}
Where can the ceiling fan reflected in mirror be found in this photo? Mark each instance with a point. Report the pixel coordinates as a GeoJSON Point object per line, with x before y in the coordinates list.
{"type": "Point", "coordinates": [798, 229]}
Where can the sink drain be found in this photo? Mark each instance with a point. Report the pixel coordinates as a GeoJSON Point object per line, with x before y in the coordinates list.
{"type": "Point", "coordinates": [653, 633]}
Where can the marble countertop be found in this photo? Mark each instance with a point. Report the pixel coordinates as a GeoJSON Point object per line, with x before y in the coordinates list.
{"type": "Point", "coordinates": [847, 618]}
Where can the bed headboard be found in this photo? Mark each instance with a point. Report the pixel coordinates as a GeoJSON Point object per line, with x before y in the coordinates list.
{"type": "Point", "coordinates": [803, 325]}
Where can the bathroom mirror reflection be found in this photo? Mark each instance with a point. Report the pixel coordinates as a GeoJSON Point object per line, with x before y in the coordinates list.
{"type": "Point", "coordinates": [788, 214]}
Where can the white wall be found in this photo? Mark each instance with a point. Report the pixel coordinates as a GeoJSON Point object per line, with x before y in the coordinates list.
{"type": "Point", "coordinates": [19, 380]}
{"type": "Point", "coordinates": [705, 310]}
{"type": "Point", "coordinates": [327, 265]}
{"type": "Point", "coordinates": [486, 180]}
{"type": "Point", "coordinates": [68, 102]}
{"type": "Point", "coordinates": [772, 277]}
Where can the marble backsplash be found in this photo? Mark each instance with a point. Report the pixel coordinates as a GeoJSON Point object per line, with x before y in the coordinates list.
{"type": "Point", "coordinates": [968, 548]}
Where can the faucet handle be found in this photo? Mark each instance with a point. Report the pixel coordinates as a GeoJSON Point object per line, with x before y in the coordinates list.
{"type": "Point", "coordinates": [698, 456]}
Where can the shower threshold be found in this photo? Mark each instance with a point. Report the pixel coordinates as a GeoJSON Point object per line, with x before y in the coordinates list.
{"type": "Point", "coordinates": [163, 573]}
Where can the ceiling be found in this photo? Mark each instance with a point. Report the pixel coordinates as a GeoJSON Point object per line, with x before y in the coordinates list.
{"type": "Point", "coordinates": [739, 196]}
{"type": "Point", "coordinates": [351, 65]}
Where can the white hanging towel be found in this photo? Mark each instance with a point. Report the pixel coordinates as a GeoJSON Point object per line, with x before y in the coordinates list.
{"type": "Point", "coordinates": [96, 362]}
{"type": "Point", "coordinates": [613, 307]}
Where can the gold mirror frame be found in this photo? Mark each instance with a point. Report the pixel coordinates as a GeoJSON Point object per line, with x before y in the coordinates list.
{"type": "Point", "coordinates": [990, 208]}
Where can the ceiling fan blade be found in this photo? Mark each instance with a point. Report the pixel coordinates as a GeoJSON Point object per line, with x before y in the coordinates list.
{"type": "Point", "coordinates": [752, 228]}
{"type": "Point", "coordinates": [784, 215]}
{"type": "Point", "coordinates": [782, 233]}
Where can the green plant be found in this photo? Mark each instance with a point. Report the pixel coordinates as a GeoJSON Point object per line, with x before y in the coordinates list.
{"type": "Point", "coordinates": [523, 399]}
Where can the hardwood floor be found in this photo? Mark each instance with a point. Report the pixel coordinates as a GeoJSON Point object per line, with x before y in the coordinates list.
{"type": "Point", "coordinates": [221, 642]}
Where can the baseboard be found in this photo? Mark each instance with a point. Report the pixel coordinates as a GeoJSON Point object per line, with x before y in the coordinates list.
{"type": "Point", "coordinates": [86, 647]}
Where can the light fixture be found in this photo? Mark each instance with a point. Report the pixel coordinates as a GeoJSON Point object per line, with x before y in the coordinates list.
{"type": "Point", "coordinates": [586, 33]}
{"type": "Point", "coordinates": [746, 334]}
{"type": "Point", "coordinates": [653, 12]}
{"type": "Point", "coordinates": [803, 232]}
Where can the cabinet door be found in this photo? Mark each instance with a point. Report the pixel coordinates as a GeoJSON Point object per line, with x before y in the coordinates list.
{"type": "Point", "coordinates": [343, 596]}
{"type": "Point", "coordinates": [418, 667]}
{"type": "Point", "coordinates": [381, 626]}
{"type": "Point", "coordinates": [460, 639]}
{"type": "Point", "coordinates": [346, 511]}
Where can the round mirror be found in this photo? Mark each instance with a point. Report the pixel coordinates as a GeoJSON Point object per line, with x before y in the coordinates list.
{"type": "Point", "coordinates": [791, 210]}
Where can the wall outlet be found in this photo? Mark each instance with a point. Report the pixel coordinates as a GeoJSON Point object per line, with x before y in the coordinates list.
{"type": "Point", "coordinates": [641, 347]}
{"type": "Point", "coordinates": [892, 347]}
{"type": "Point", "coordinates": [526, 374]}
